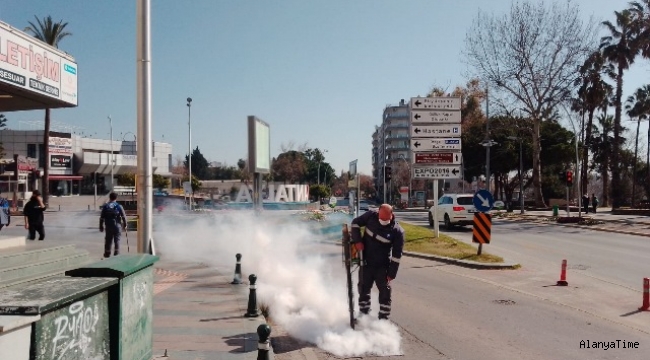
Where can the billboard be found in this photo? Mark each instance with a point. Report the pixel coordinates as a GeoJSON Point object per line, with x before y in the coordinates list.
{"type": "Point", "coordinates": [259, 146]}
{"type": "Point", "coordinates": [32, 65]}
{"type": "Point", "coordinates": [60, 161]}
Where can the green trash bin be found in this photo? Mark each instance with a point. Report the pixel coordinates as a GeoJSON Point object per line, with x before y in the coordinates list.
{"type": "Point", "coordinates": [556, 210]}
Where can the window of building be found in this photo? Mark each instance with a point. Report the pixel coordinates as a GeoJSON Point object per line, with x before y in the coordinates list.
{"type": "Point", "coordinates": [41, 156]}
{"type": "Point", "coordinates": [31, 151]}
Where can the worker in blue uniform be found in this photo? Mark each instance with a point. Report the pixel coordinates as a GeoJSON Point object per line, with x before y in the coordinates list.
{"type": "Point", "coordinates": [381, 246]}
{"type": "Point", "coordinates": [112, 218]}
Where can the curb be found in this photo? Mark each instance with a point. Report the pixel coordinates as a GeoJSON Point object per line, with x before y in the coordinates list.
{"type": "Point", "coordinates": [464, 263]}
{"type": "Point", "coordinates": [588, 227]}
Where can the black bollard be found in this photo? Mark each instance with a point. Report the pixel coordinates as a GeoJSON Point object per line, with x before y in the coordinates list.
{"type": "Point", "coordinates": [237, 279]}
{"type": "Point", "coordinates": [264, 344]}
{"type": "Point", "coordinates": [252, 298]}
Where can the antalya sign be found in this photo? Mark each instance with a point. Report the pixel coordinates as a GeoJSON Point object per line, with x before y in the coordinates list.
{"type": "Point", "coordinates": [283, 193]}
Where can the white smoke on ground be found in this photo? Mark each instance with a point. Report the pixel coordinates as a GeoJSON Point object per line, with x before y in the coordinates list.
{"type": "Point", "coordinates": [301, 279]}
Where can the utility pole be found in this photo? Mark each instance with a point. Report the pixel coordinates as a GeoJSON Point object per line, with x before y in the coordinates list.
{"type": "Point", "coordinates": [145, 150]}
{"type": "Point", "coordinates": [112, 159]}
{"type": "Point", "coordinates": [487, 142]}
{"type": "Point", "coordinates": [189, 148]}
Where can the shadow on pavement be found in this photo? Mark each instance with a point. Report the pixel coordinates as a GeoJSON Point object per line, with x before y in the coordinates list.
{"type": "Point", "coordinates": [240, 341]}
{"type": "Point", "coordinates": [284, 343]}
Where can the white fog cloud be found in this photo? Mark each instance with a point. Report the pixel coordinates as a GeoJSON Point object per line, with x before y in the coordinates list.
{"type": "Point", "coordinates": [301, 278]}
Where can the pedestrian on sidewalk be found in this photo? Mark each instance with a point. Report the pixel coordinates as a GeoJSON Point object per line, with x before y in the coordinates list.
{"type": "Point", "coordinates": [594, 202]}
{"type": "Point", "coordinates": [585, 203]}
{"type": "Point", "coordinates": [381, 246]}
{"type": "Point", "coordinates": [112, 218]}
{"type": "Point", "coordinates": [33, 213]}
{"type": "Point", "coordinates": [5, 213]}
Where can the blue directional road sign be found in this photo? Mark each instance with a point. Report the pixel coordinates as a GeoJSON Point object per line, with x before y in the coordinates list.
{"type": "Point", "coordinates": [483, 201]}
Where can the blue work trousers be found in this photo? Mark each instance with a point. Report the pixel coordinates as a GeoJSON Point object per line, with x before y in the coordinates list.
{"type": "Point", "coordinates": [113, 235]}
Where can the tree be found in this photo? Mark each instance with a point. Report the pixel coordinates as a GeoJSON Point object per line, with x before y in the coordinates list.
{"type": "Point", "coordinates": [50, 33]}
{"type": "Point", "coordinates": [620, 49]}
{"type": "Point", "coordinates": [529, 56]}
{"type": "Point", "coordinates": [289, 167]}
{"type": "Point", "coordinates": [601, 146]}
{"type": "Point", "coordinates": [318, 192]}
{"type": "Point", "coordinates": [366, 185]}
{"type": "Point", "coordinates": [160, 182]}
{"type": "Point", "coordinates": [196, 183]}
{"type": "Point", "coordinates": [638, 106]}
{"type": "Point", "coordinates": [127, 179]}
{"type": "Point", "coordinates": [315, 165]}
{"type": "Point", "coordinates": [593, 94]}
{"type": "Point", "coordinates": [244, 172]}
{"type": "Point", "coordinates": [199, 164]}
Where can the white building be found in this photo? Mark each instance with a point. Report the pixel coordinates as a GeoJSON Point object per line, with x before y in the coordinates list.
{"type": "Point", "coordinates": [76, 163]}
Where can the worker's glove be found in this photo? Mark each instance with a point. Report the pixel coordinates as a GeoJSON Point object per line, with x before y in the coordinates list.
{"type": "Point", "coordinates": [101, 229]}
{"type": "Point", "coordinates": [359, 246]}
{"type": "Point", "coordinates": [389, 279]}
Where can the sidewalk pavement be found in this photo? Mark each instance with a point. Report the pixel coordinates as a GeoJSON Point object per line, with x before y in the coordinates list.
{"type": "Point", "coordinates": [198, 314]}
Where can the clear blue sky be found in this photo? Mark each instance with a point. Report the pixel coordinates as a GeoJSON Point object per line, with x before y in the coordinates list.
{"type": "Point", "coordinates": [319, 72]}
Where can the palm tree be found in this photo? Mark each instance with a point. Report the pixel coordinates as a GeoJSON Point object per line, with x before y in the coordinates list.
{"type": "Point", "coordinates": [592, 94]}
{"type": "Point", "coordinates": [601, 146]}
{"type": "Point", "coordinates": [619, 48]}
{"type": "Point", "coordinates": [50, 33]}
{"type": "Point", "coordinates": [641, 11]}
{"type": "Point", "coordinates": [638, 106]}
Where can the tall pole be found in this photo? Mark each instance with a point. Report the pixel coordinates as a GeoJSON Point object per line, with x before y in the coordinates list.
{"type": "Point", "coordinates": [384, 180]}
{"type": "Point", "coordinates": [521, 176]}
{"type": "Point", "coordinates": [580, 189]}
{"type": "Point", "coordinates": [487, 138]}
{"type": "Point", "coordinates": [319, 171]}
{"type": "Point", "coordinates": [189, 148]}
{"type": "Point", "coordinates": [144, 148]}
{"type": "Point", "coordinates": [112, 160]}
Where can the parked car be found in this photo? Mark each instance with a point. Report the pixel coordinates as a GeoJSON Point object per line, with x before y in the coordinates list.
{"type": "Point", "coordinates": [454, 209]}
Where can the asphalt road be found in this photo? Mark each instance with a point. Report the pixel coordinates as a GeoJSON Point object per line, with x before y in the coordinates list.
{"type": "Point", "coordinates": [616, 258]}
{"type": "Point", "coordinates": [448, 312]}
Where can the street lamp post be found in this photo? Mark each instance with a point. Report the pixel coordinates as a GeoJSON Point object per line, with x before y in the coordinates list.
{"type": "Point", "coordinates": [320, 159]}
{"type": "Point", "coordinates": [521, 170]}
{"type": "Point", "coordinates": [577, 172]}
{"type": "Point", "coordinates": [112, 159]}
{"type": "Point", "coordinates": [189, 146]}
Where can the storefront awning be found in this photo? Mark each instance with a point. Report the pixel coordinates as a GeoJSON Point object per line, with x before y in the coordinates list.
{"type": "Point", "coordinates": [66, 177]}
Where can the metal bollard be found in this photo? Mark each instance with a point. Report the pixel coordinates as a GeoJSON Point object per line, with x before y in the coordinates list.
{"type": "Point", "coordinates": [237, 279]}
{"type": "Point", "coordinates": [59, 207]}
{"type": "Point", "coordinates": [264, 344]}
{"type": "Point", "coordinates": [252, 298]}
{"type": "Point", "coordinates": [88, 207]}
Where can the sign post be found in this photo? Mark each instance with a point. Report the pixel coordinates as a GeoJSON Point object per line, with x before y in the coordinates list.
{"type": "Point", "coordinates": [435, 142]}
{"type": "Point", "coordinates": [482, 229]}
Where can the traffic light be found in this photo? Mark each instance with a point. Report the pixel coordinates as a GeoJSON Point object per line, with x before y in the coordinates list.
{"type": "Point", "coordinates": [388, 173]}
{"type": "Point", "coordinates": [569, 178]}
